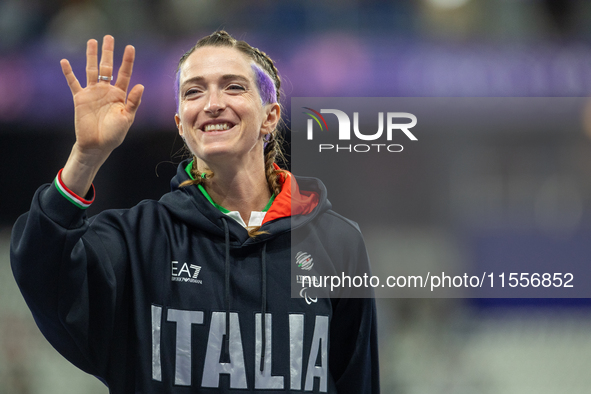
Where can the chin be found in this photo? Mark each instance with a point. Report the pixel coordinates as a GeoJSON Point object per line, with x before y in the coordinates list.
{"type": "Point", "coordinates": [217, 154]}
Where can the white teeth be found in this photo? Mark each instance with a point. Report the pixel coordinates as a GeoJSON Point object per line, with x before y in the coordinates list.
{"type": "Point", "coordinates": [217, 127]}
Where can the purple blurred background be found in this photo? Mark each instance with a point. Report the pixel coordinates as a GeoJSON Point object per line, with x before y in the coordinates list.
{"type": "Point", "coordinates": [466, 198]}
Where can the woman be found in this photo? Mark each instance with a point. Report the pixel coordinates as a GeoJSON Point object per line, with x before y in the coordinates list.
{"type": "Point", "coordinates": [175, 293]}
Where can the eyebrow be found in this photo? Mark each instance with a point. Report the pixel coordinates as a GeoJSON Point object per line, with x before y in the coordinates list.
{"type": "Point", "coordinates": [226, 77]}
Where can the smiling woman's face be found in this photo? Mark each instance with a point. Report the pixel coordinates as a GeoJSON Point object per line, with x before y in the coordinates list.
{"type": "Point", "coordinates": [221, 115]}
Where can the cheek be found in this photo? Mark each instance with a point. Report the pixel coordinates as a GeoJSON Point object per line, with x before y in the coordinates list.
{"type": "Point", "coordinates": [188, 112]}
{"type": "Point", "coordinates": [191, 143]}
{"type": "Point", "coordinates": [253, 110]}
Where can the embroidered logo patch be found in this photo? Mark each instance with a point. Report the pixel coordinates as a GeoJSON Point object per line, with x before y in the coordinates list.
{"type": "Point", "coordinates": [304, 261]}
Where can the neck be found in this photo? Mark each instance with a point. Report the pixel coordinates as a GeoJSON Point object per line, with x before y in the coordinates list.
{"type": "Point", "coordinates": [243, 189]}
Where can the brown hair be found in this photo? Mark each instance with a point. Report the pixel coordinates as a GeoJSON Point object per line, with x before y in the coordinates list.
{"type": "Point", "coordinates": [273, 150]}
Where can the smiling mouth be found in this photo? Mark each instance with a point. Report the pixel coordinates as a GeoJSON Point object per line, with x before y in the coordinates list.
{"type": "Point", "coordinates": [218, 127]}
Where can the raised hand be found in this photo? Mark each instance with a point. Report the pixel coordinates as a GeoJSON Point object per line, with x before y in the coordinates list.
{"type": "Point", "coordinates": [103, 112]}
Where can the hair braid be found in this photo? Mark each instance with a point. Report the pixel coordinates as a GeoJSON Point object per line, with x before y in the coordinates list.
{"type": "Point", "coordinates": [270, 172]}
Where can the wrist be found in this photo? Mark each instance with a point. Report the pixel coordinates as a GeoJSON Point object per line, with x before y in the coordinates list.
{"type": "Point", "coordinates": [80, 170]}
{"type": "Point", "coordinates": [81, 202]}
{"type": "Point", "coordinates": [92, 158]}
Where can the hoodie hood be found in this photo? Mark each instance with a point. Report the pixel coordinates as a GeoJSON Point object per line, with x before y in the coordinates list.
{"type": "Point", "coordinates": [300, 201]}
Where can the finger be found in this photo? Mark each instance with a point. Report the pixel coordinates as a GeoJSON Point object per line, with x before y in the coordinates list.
{"type": "Point", "coordinates": [106, 66]}
{"type": "Point", "coordinates": [134, 99]}
{"type": "Point", "coordinates": [70, 77]}
{"type": "Point", "coordinates": [91, 62]}
{"type": "Point", "coordinates": [124, 74]}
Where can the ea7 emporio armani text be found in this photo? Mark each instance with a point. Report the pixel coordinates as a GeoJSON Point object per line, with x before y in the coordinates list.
{"type": "Point", "coordinates": [184, 274]}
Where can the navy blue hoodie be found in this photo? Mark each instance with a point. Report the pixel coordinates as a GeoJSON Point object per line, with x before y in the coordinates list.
{"type": "Point", "coordinates": [143, 298]}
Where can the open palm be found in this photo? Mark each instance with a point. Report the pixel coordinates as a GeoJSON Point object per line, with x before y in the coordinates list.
{"type": "Point", "coordinates": [103, 112]}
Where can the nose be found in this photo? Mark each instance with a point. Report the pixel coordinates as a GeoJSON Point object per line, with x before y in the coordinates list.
{"type": "Point", "coordinates": [215, 102]}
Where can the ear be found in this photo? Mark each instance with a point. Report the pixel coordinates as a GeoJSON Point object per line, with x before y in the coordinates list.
{"type": "Point", "coordinates": [273, 112]}
{"type": "Point", "coordinates": [179, 125]}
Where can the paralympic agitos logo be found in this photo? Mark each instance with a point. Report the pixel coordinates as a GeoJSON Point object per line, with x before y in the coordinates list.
{"type": "Point", "coordinates": [344, 132]}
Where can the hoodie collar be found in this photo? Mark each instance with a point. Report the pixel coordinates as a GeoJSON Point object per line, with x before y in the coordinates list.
{"type": "Point", "coordinates": [291, 201]}
{"type": "Point", "coordinates": [301, 199]}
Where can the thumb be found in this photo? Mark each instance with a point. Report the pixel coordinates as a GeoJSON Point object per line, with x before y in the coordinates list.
{"type": "Point", "coordinates": [134, 99]}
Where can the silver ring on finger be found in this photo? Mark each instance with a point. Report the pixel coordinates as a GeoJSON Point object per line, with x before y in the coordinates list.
{"type": "Point", "coordinates": [105, 78]}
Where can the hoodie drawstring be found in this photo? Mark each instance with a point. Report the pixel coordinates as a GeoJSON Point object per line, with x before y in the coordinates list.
{"type": "Point", "coordinates": [263, 297]}
{"type": "Point", "coordinates": [264, 306]}
{"type": "Point", "coordinates": [227, 286]}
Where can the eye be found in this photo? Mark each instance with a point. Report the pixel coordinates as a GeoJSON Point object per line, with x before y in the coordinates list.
{"type": "Point", "coordinates": [191, 92]}
{"type": "Point", "coordinates": [237, 87]}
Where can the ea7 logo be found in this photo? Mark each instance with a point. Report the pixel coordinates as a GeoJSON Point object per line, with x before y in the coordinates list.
{"type": "Point", "coordinates": [345, 124]}
{"type": "Point", "coordinates": [185, 273]}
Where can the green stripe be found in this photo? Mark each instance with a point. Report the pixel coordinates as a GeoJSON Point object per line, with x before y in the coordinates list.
{"type": "Point", "coordinates": [59, 189]}
{"type": "Point", "coordinates": [224, 210]}
{"type": "Point", "coordinates": [269, 203]}
{"type": "Point", "coordinates": [316, 119]}
{"type": "Point", "coordinates": [188, 169]}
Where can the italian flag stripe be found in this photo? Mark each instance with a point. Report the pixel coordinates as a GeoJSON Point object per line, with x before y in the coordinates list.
{"type": "Point", "coordinates": [70, 195]}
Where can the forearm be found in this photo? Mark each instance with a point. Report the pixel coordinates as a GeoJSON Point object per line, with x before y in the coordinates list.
{"type": "Point", "coordinates": [41, 241]}
{"type": "Point", "coordinates": [68, 277]}
{"type": "Point", "coordinates": [354, 347]}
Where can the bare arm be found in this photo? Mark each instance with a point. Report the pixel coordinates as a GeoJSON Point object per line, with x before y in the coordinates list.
{"type": "Point", "coordinates": [103, 112]}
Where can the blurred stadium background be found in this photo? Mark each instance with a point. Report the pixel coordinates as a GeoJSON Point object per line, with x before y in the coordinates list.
{"type": "Point", "coordinates": [480, 196]}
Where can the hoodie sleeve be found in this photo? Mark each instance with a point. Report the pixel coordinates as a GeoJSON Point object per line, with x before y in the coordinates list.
{"type": "Point", "coordinates": [353, 336]}
{"type": "Point", "coordinates": [354, 346]}
{"type": "Point", "coordinates": [71, 276]}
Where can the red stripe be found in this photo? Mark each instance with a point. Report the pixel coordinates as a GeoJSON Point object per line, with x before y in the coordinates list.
{"type": "Point", "coordinates": [321, 117]}
{"type": "Point", "coordinates": [62, 184]}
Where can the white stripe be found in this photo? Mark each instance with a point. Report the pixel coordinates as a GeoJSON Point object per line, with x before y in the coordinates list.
{"type": "Point", "coordinates": [73, 197]}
